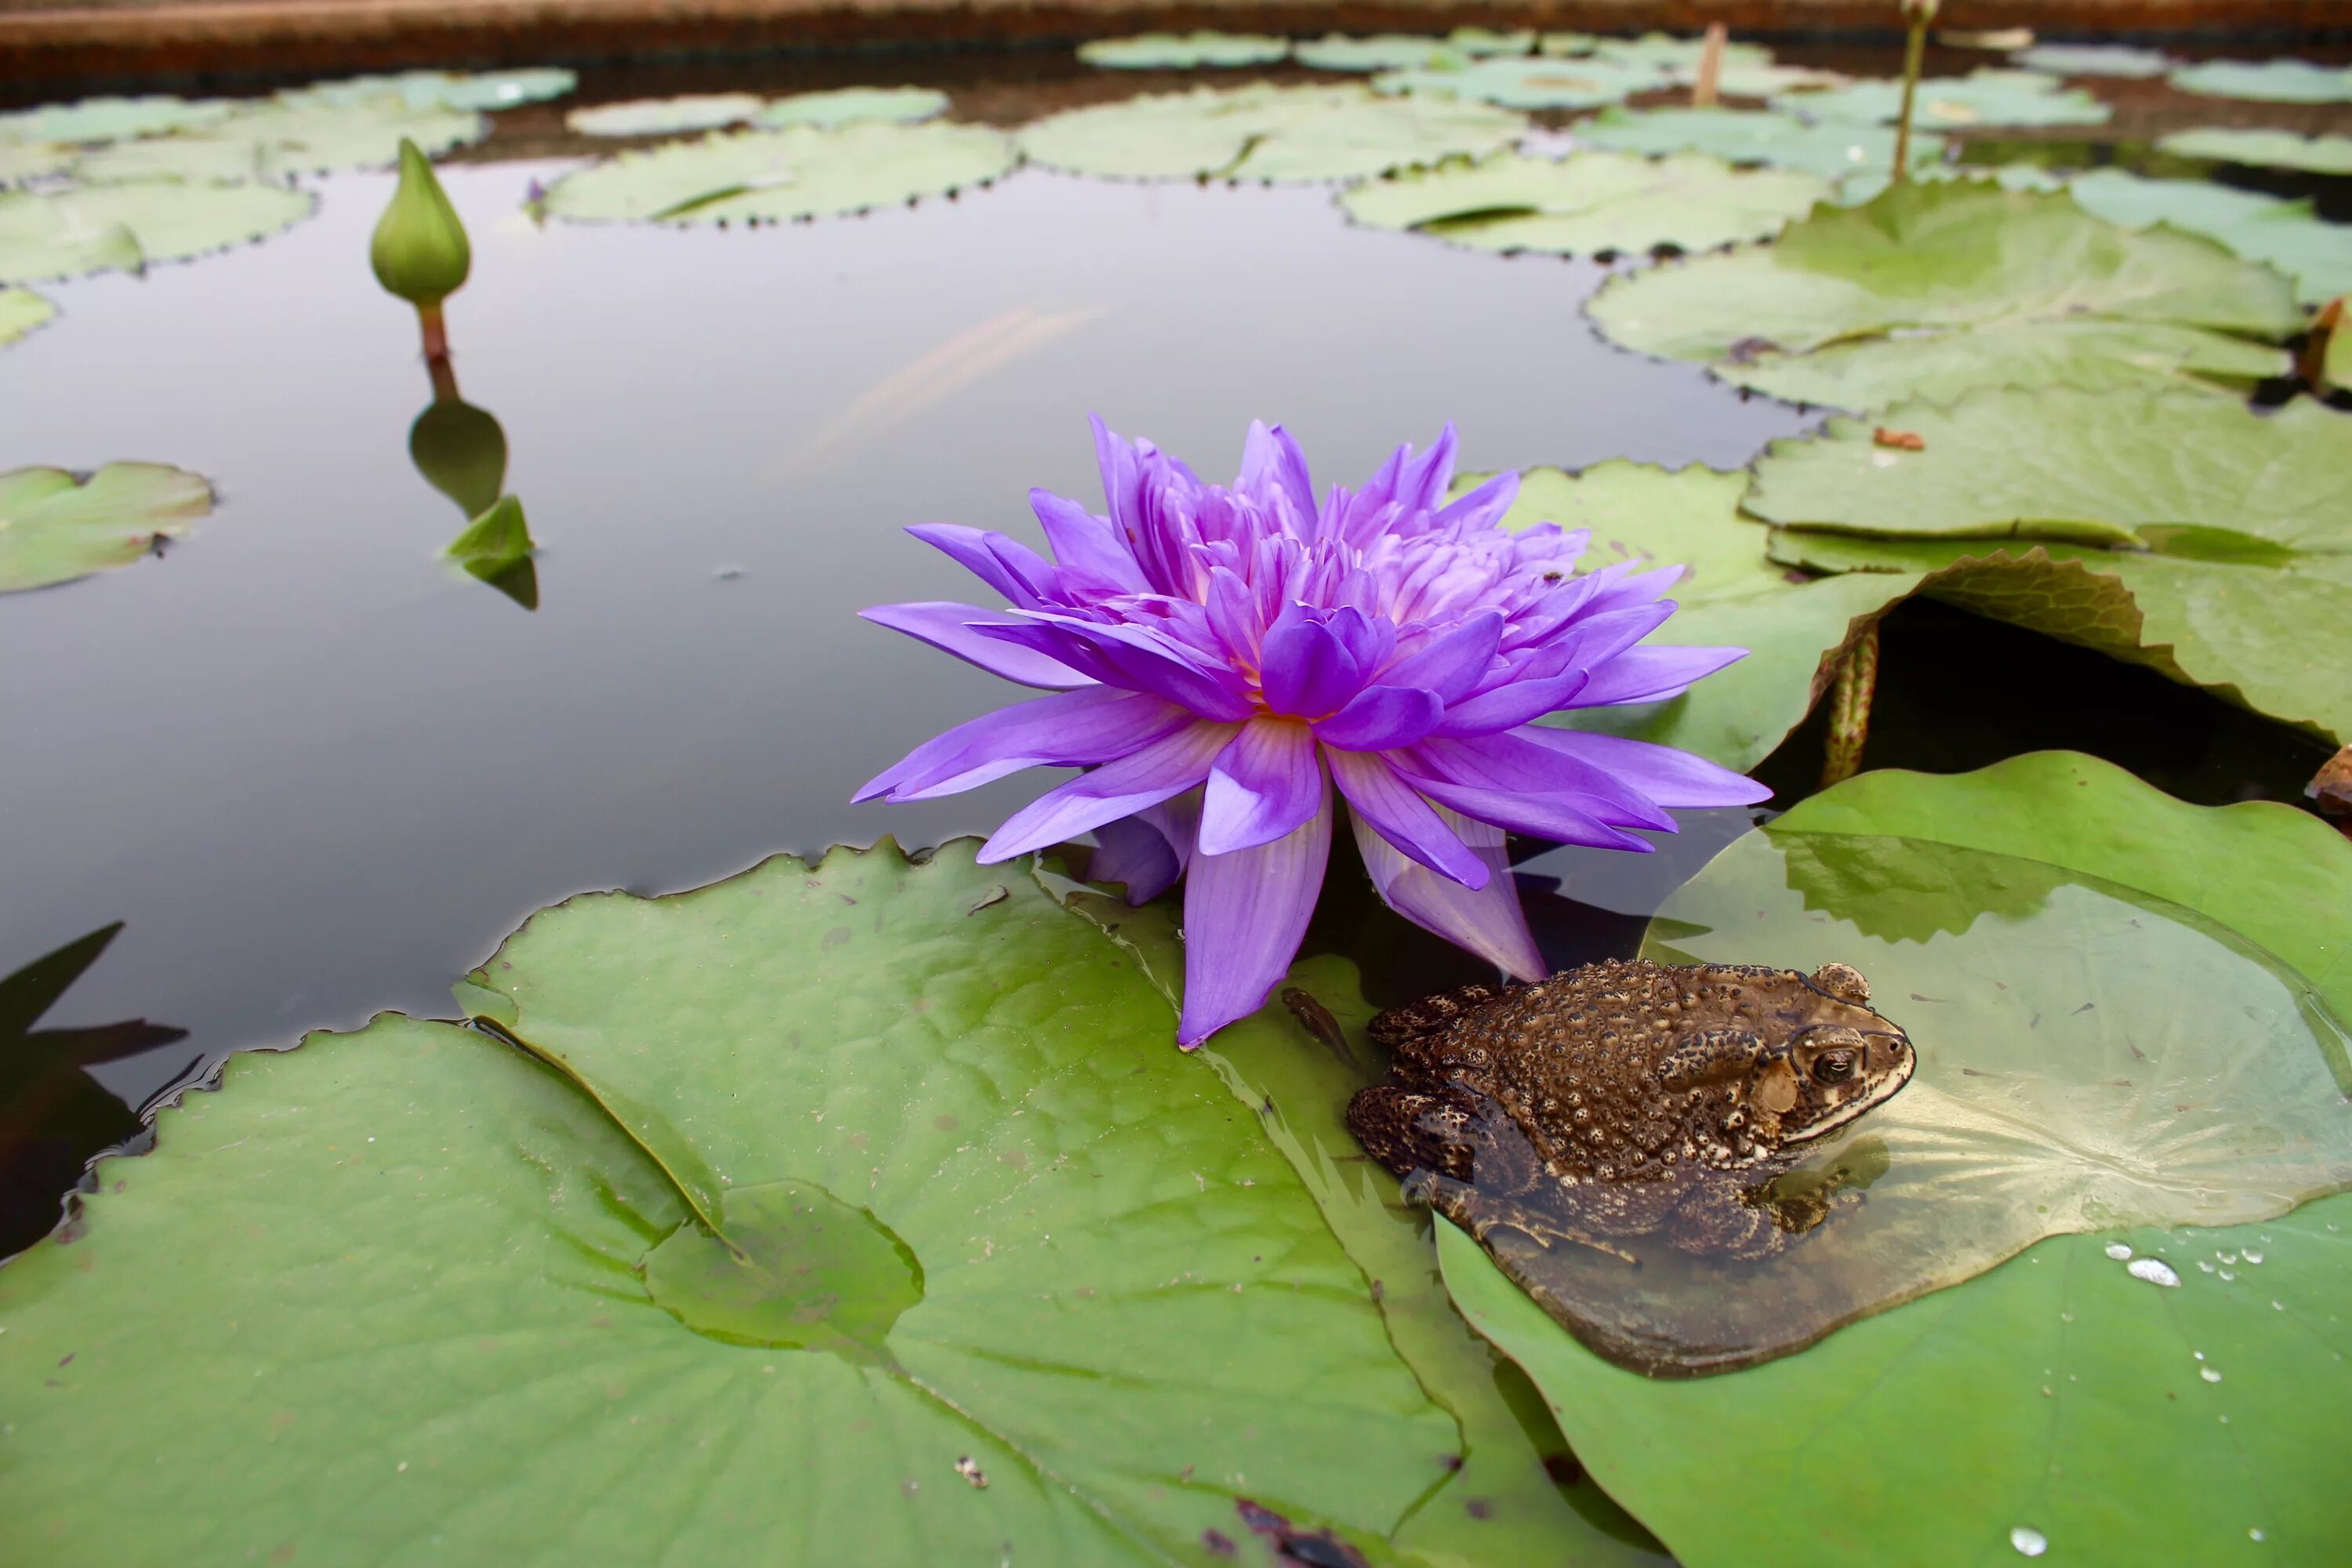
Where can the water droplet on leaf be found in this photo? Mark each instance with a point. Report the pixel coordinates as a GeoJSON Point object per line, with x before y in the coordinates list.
{"type": "Point", "coordinates": [2029, 1542]}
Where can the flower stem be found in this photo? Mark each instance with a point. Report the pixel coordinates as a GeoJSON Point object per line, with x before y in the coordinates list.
{"type": "Point", "coordinates": [1710, 67]}
{"type": "Point", "coordinates": [436, 334]}
{"type": "Point", "coordinates": [1857, 680]}
{"type": "Point", "coordinates": [1914, 51]}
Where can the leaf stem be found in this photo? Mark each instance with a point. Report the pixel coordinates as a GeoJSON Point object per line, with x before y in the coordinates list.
{"type": "Point", "coordinates": [1914, 51]}
{"type": "Point", "coordinates": [1710, 67]}
{"type": "Point", "coordinates": [1857, 681]}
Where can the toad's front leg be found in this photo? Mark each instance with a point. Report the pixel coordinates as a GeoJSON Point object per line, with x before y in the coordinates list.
{"type": "Point", "coordinates": [1481, 1212]}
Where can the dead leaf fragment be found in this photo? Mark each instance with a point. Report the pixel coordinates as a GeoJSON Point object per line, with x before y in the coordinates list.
{"type": "Point", "coordinates": [1902, 440]}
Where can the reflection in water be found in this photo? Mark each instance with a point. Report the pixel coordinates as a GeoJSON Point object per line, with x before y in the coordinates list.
{"type": "Point", "coordinates": [2090, 1057]}
{"type": "Point", "coordinates": [462, 452]}
{"type": "Point", "coordinates": [53, 1116]}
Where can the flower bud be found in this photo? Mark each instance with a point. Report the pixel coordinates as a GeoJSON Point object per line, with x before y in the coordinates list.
{"type": "Point", "coordinates": [420, 251]}
{"type": "Point", "coordinates": [461, 452]}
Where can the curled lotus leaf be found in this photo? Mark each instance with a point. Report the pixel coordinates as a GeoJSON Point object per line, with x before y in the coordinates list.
{"type": "Point", "coordinates": [2272, 81]}
{"type": "Point", "coordinates": [2077, 1390]}
{"type": "Point", "coordinates": [860, 1211]}
{"type": "Point", "coordinates": [124, 228]}
{"type": "Point", "coordinates": [1184, 51]}
{"type": "Point", "coordinates": [1265, 133]}
{"type": "Point", "coordinates": [1987, 96]}
{"type": "Point", "coordinates": [56, 526]}
{"type": "Point", "coordinates": [799, 170]}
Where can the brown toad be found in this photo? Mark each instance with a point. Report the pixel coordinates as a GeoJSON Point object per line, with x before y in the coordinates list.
{"type": "Point", "coordinates": [1625, 1099]}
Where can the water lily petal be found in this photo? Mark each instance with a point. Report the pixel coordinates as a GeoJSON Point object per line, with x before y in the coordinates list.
{"type": "Point", "coordinates": [1121, 787]}
{"type": "Point", "coordinates": [1087, 547]}
{"type": "Point", "coordinates": [1483, 506]}
{"type": "Point", "coordinates": [1668, 776]}
{"type": "Point", "coordinates": [1071, 729]}
{"type": "Point", "coordinates": [1307, 671]}
{"type": "Point", "coordinates": [1273, 465]}
{"type": "Point", "coordinates": [1512, 766]}
{"type": "Point", "coordinates": [951, 628]}
{"type": "Point", "coordinates": [1245, 915]}
{"type": "Point", "coordinates": [1452, 665]}
{"type": "Point", "coordinates": [1136, 854]}
{"type": "Point", "coordinates": [1381, 718]}
{"type": "Point", "coordinates": [1563, 818]}
{"type": "Point", "coordinates": [1129, 657]}
{"type": "Point", "coordinates": [1404, 816]}
{"type": "Point", "coordinates": [1003, 563]}
{"type": "Point", "coordinates": [1485, 921]}
{"type": "Point", "coordinates": [1267, 782]}
{"type": "Point", "coordinates": [1652, 674]}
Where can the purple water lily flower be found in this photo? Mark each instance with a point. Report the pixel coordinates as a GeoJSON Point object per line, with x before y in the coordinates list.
{"type": "Point", "coordinates": [1221, 657]}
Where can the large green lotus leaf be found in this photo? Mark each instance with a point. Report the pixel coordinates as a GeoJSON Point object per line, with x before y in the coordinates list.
{"type": "Point", "coordinates": [1753, 136]}
{"type": "Point", "coordinates": [1266, 132]}
{"type": "Point", "coordinates": [661, 116]}
{"type": "Point", "coordinates": [2095, 59]}
{"type": "Point", "coordinates": [1925, 259]}
{"type": "Point", "coordinates": [2268, 148]}
{"type": "Point", "coordinates": [849, 105]}
{"type": "Point", "coordinates": [1184, 51]}
{"type": "Point", "coordinates": [56, 526]}
{"type": "Point", "coordinates": [1796, 630]}
{"type": "Point", "coordinates": [1588, 202]}
{"type": "Point", "coordinates": [800, 171]}
{"type": "Point", "coordinates": [92, 120]}
{"type": "Point", "coordinates": [1379, 52]}
{"type": "Point", "coordinates": [419, 89]}
{"type": "Point", "coordinates": [2276, 82]}
{"type": "Point", "coordinates": [1987, 96]}
{"type": "Point", "coordinates": [2152, 1394]}
{"type": "Point", "coordinates": [1518, 1495]}
{"type": "Point", "coordinates": [2284, 233]}
{"type": "Point", "coordinates": [98, 228]}
{"type": "Point", "coordinates": [21, 311]}
{"type": "Point", "coordinates": [1531, 83]}
{"type": "Point", "coordinates": [271, 141]}
{"type": "Point", "coordinates": [1004, 1275]}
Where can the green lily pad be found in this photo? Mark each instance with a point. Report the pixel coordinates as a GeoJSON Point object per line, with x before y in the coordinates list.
{"type": "Point", "coordinates": [101, 228]}
{"type": "Point", "coordinates": [56, 526]}
{"type": "Point", "coordinates": [1532, 83]}
{"type": "Point", "coordinates": [1184, 51]}
{"type": "Point", "coordinates": [272, 141]}
{"type": "Point", "coordinates": [849, 105]}
{"type": "Point", "coordinates": [2188, 534]}
{"type": "Point", "coordinates": [2265, 149]}
{"type": "Point", "coordinates": [1857, 188]}
{"type": "Point", "coordinates": [1796, 629]}
{"type": "Point", "coordinates": [1987, 96]}
{"type": "Point", "coordinates": [2062, 1396]}
{"type": "Point", "coordinates": [2095, 59]}
{"type": "Point", "coordinates": [1753, 136]}
{"type": "Point", "coordinates": [2272, 81]}
{"type": "Point", "coordinates": [1588, 202]}
{"type": "Point", "coordinates": [1380, 52]}
{"type": "Point", "coordinates": [859, 1212]}
{"type": "Point", "coordinates": [465, 91]}
{"type": "Point", "coordinates": [1265, 133]}
{"type": "Point", "coordinates": [1511, 1500]}
{"type": "Point", "coordinates": [800, 171]}
{"type": "Point", "coordinates": [22, 311]}
{"type": "Point", "coordinates": [2284, 234]}
{"type": "Point", "coordinates": [22, 163]}
{"type": "Point", "coordinates": [1666, 52]}
{"type": "Point", "coordinates": [1883, 296]}
{"type": "Point", "coordinates": [94, 120]}
{"type": "Point", "coordinates": [1479, 42]}
{"type": "Point", "coordinates": [661, 116]}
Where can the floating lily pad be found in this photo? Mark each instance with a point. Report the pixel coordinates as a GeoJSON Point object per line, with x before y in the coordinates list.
{"type": "Point", "coordinates": [1755, 136]}
{"type": "Point", "coordinates": [1588, 202]}
{"type": "Point", "coordinates": [101, 228]}
{"type": "Point", "coordinates": [22, 163]}
{"type": "Point", "coordinates": [863, 1212]}
{"type": "Point", "coordinates": [1512, 1499]}
{"type": "Point", "coordinates": [1265, 133]}
{"type": "Point", "coordinates": [661, 116]}
{"type": "Point", "coordinates": [1857, 306]}
{"type": "Point", "coordinates": [849, 105]}
{"type": "Point", "coordinates": [21, 311]}
{"type": "Point", "coordinates": [1532, 83]}
{"type": "Point", "coordinates": [1477, 42]}
{"type": "Point", "coordinates": [1796, 629]}
{"type": "Point", "coordinates": [2285, 233]}
{"type": "Point", "coordinates": [800, 171]}
{"type": "Point", "coordinates": [2272, 81]}
{"type": "Point", "coordinates": [93, 120]}
{"type": "Point", "coordinates": [1184, 51]}
{"type": "Point", "coordinates": [1987, 96]}
{"type": "Point", "coordinates": [2095, 59]}
{"type": "Point", "coordinates": [272, 141]}
{"type": "Point", "coordinates": [2076, 1393]}
{"type": "Point", "coordinates": [2266, 149]}
{"type": "Point", "coordinates": [1666, 52]}
{"type": "Point", "coordinates": [465, 91]}
{"type": "Point", "coordinates": [56, 526]}
{"type": "Point", "coordinates": [1380, 52]}
{"type": "Point", "coordinates": [2188, 534]}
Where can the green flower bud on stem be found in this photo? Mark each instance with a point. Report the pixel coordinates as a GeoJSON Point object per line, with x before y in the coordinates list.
{"type": "Point", "coordinates": [419, 251]}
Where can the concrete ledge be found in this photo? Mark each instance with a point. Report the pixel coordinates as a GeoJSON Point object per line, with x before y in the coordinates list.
{"type": "Point", "coordinates": [140, 39]}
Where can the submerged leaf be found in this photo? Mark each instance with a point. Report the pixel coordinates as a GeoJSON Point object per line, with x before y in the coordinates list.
{"type": "Point", "coordinates": [1077, 1271]}
{"type": "Point", "coordinates": [1832, 150]}
{"type": "Point", "coordinates": [1265, 133]}
{"type": "Point", "coordinates": [56, 526]}
{"type": "Point", "coordinates": [802, 171]}
{"type": "Point", "coordinates": [2061, 1392]}
{"type": "Point", "coordinates": [100, 229]}
{"type": "Point", "coordinates": [1587, 202]}
{"type": "Point", "coordinates": [2284, 233]}
{"type": "Point", "coordinates": [1183, 51]}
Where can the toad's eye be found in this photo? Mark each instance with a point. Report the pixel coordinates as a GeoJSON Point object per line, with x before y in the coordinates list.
{"type": "Point", "coordinates": [1833, 1067]}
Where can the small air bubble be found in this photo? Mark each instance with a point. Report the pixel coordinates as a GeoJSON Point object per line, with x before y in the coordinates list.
{"type": "Point", "coordinates": [2254, 1256]}
{"type": "Point", "coordinates": [2209, 1375]}
{"type": "Point", "coordinates": [2154, 1272]}
{"type": "Point", "coordinates": [2205, 1266]}
{"type": "Point", "coordinates": [2198, 1355]}
{"type": "Point", "coordinates": [2118, 1251]}
{"type": "Point", "coordinates": [2227, 1256]}
{"type": "Point", "coordinates": [2029, 1542]}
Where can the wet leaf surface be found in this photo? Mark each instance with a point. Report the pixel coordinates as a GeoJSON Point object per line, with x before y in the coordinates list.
{"type": "Point", "coordinates": [1184, 51]}
{"type": "Point", "coordinates": [1832, 150]}
{"type": "Point", "coordinates": [50, 235]}
{"type": "Point", "coordinates": [2060, 1393]}
{"type": "Point", "coordinates": [1588, 202]}
{"type": "Point", "coordinates": [423, 1259]}
{"type": "Point", "coordinates": [1265, 132]}
{"type": "Point", "coordinates": [802, 171]}
{"type": "Point", "coordinates": [56, 526]}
